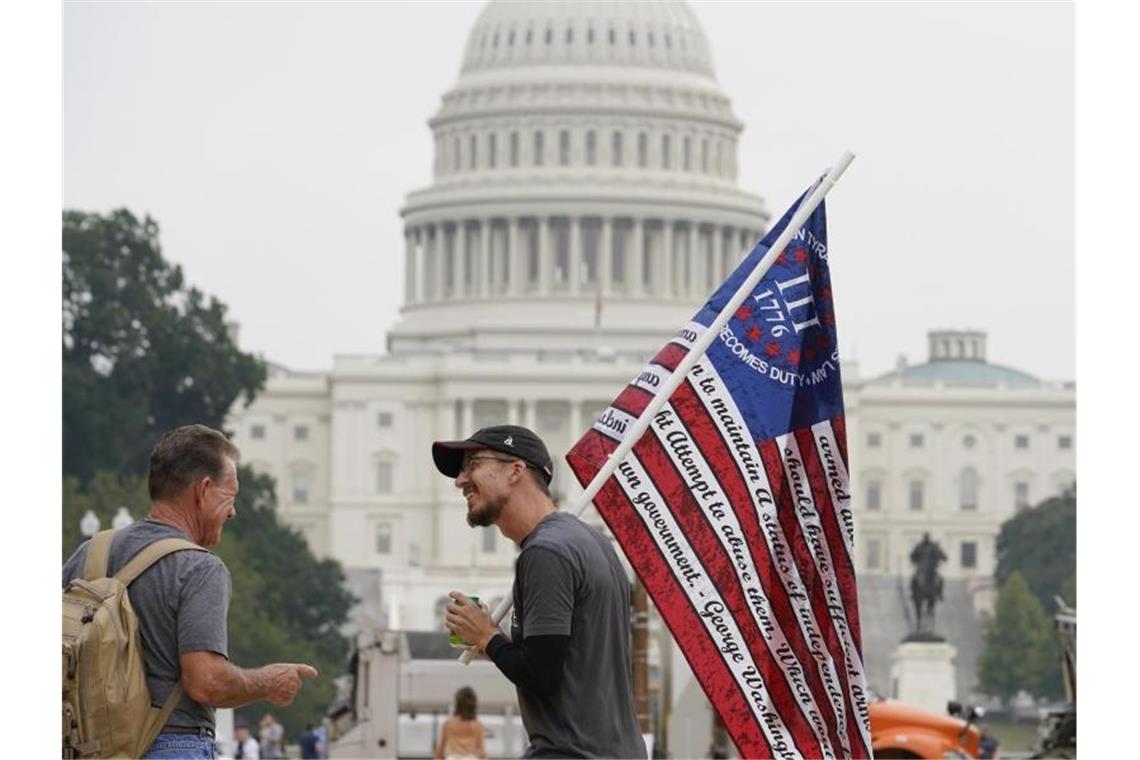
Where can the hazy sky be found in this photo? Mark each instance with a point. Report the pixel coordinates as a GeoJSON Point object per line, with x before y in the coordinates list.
{"type": "Point", "coordinates": [274, 144]}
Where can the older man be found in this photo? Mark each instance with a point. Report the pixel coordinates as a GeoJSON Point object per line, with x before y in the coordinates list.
{"type": "Point", "coordinates": [182, 600]}
{"type": "Point", "coordinates": [568, 654]}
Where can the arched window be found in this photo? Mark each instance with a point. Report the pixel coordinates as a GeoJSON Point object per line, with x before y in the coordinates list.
{"type": "Point", "coordinates": [968, 490]}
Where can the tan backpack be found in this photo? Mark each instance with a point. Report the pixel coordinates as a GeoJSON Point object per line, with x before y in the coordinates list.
{"type": "Point", "coordinates": [106, 702]}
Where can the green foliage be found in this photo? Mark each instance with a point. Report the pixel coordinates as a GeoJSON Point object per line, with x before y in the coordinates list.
{"type": "Point", "coordinates": [1069, 591]}
{"type": "Point", "coordinates": [1041, 544]}
{"type": "Point", "coordinates": [142, 352]}
{"type": "Point", "coordinates": [103, 495]}
{"type": "Point", "coordinates": [1020, 651]}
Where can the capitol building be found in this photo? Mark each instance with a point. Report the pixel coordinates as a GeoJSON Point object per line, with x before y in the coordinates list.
{"type": "Point", "coordinates": [584, 203]}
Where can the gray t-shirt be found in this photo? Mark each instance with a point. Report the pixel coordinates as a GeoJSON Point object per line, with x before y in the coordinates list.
{"type": "Point", "coordinates": [569, 582]}
{"type": "Point", "coordinates": [181, 603]}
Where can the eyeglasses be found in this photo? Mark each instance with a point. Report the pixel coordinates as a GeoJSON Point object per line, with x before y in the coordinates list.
{"type": "Point", "coordinates": [468, 464]}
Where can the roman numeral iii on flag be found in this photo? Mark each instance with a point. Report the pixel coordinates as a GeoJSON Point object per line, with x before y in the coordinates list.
{"type": "Point", "coordinates": [733, 507]}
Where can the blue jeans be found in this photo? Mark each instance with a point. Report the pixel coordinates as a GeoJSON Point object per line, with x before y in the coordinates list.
{"type": "Point", "coordinates": [172, 746]}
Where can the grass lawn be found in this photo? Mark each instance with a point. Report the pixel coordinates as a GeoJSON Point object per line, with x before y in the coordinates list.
{"type": "Point", "coordinates": [1014, 737]}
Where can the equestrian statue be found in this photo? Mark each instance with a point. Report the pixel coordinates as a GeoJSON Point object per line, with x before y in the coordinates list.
{"type": "Point", "coordinates": [925, 587]}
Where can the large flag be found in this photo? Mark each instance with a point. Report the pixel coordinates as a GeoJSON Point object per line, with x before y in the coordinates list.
{"type": "Point", "coordinates": [734, 508]}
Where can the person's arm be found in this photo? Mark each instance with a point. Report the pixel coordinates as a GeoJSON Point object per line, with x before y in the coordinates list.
{"type": "Point", "coordinates": [535, 664]}
{"type": "Point", "coordinates": [212, 680]}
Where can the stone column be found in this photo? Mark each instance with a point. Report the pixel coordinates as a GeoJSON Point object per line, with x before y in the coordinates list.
{"type": "Point", "coordinates": [460, 256]}
{"type": "Point", "coordinates": [696, 269]}
{"type": "Point", "coordinates": [727, 264]}
{"type": "Point", "coordinates": [545, 258]}
{"type": "Point", "coordinates": [574, 257]}
{"type": "Point", "coordinates": [518, 262]}
{"type": "Point", "coordinates": [483, 265]}
{"type": "Point", "coordinates": [634, 251]}
{"type": "Point", "coordinates": [530, 412]}
{"type": "Point", "coordinates": [435, 233]}
{"type": "Point", "coordinates": [575, 421]}
{"type": "Point", "coordinates": [605, 255]}
{"type": "Point", "coordinates": [409, 267]}
{"type": "Point", "coordinates": [667, 258]}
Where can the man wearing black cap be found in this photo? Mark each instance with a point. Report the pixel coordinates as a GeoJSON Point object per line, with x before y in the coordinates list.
{"type": "Point", "coordinates": [568, 653]}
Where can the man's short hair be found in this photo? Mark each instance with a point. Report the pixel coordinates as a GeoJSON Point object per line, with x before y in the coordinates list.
{"type": "Point", "coordinates": [185, 455]}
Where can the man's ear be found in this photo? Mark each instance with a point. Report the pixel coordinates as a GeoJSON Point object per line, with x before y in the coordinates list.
{"type": "Point", "coordinates": [200, 490]}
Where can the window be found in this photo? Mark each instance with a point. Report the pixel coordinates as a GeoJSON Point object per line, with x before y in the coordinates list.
{"type": "Point", "coordinates": [384, 420]}
{"type": "Point", "coordinates": [300, 488]}
{"type": "Point", "coordinates": [1064, 441]}
{"type": "Point", "coordinates": [383, 538]}
{"type": "Point", "coordinates": [301, 433]}
{"type": "Point", "coordinates": [455, 157]}
{"type": "Point", "coordinates": [874, 440]}
{"type": "Point", "coordinates": [1021, 442]}
{"type": "Point", "coordinates": [474, 148]}
{"type": "Point", "coordinates": [539, 147]}
{"type": "Point", "coordinates": [968, 555]}
{"type": "Point", "coordinates": [968, 441]}
{"type": "Point", "coordinates": [492, 149]}
{"type": "Point", "coordinates": [874, 494]}
{"type": "Point", "coordinates": [550, 422]}
{"type": "Point", "coordinates": [564, 148]}
{"type": "Point", "coordinates": [705, 156]}
{"type": "Point", "coordinates": [489, 533]}
{"type": "Point", "coordinates": [874, 553]}
{"type": "Point", "coordinates": [514, 148]}
{"type": "Point", "coordinates": [643, 150]}
{"type": "Point", "coordinates": [383, 477]}
{"type": "Point", "coordinates": [590, 35]}
{"type": "Point", "coordinates": [1021, 495]}
{"type": "Point", "coordinates": [686, 150]}
{"type": "Point", "coordinates": [569, 35]}
{"type": "Point", "coordinates": [917, 440]}
{"type": "Point", "coordinates": [666, 150]}
{"type": "Point", "coordinates": [968, 490]}
{"type": "Point", "coordinates": [257, 432]}
{"type": "Point", "coordinates": [916, 495]}
{"type": "Point", "coordinates": [591, 148]}
{"type": "Point", "coordinates": [617, 149]}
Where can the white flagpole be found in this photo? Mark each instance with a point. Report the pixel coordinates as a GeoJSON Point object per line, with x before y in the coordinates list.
{"type": "Point", "coordinates": [695, 353]}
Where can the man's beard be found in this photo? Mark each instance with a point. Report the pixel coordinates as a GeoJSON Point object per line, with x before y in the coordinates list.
{"type": "Point", "coordinates": [487, 516]}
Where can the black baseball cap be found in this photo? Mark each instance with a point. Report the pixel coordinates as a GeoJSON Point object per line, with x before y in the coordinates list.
{"type": "Point", "coordinates": [509, 439]}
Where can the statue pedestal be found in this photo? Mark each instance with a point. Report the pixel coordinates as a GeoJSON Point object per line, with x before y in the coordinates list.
{"type": "Point", "coordinates": [922, 674]}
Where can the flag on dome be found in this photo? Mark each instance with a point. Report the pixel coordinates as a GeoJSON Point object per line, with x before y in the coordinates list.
{"type": "Point", "coordinates": [735, 511]}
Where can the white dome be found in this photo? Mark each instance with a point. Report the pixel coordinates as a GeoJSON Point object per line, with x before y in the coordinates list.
{"type": "Point", "coordinates": [632, 33]}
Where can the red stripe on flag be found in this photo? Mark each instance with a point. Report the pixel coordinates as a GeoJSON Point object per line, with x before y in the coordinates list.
{"type": "Point", "coordinates": [840, 560]}
{"type": "Point", "coordinates": [718, 565]}
{"type": "Point", "coordinates": [715, 449]}
{"type": "Point", "coordinates": [632, 400]}
{"type": "Point", "coordinates": [670, 356]}
{"type": "Point", "coordinates": [809, 573]}
{"type": "Point", "coordinates": [664, 588]}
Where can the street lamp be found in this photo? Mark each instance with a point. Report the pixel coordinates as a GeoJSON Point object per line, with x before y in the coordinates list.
{"type": "Point", "coordinates": [89, 524]}
{"type": "Point", "coordinates": [121, 519]}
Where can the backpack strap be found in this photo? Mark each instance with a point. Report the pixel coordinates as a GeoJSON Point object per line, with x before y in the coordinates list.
{"type": "Point", "coordinates": [97, 553]}
{"type": "Point", "coordinates": [152, 553]}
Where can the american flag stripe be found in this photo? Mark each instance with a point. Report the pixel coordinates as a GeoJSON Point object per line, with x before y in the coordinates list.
{"type": "Point", "coordinates": [657, 550]}
{"type": "Point", "coordinates": [785, 670]}
{"type": "Point", "coordinates": [807, 515]}
{"type": "Point", "coordinates": [722, 437]}
{"type": "Point", "coordinates": [708, 600]}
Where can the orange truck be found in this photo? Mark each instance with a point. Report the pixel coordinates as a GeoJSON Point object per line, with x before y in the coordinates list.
{"type": "Point", "coordinates": [903, 731]}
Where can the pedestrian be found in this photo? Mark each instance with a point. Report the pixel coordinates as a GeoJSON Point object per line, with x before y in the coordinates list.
{"type": "Point", "coordinates": [462, 734]}
{"type": "Point", "coordinates": [181, 601]}
{"type": "Point", "coordinates": [245, 746]}
{"type": "Point", "coordinates": [988, 748]}
{"type": "Point", "coordinates": [272, 738]}
{"type": "Point", "coordinates": [309, 743]}
{"type": "Point", "coordinates": [568, 653]}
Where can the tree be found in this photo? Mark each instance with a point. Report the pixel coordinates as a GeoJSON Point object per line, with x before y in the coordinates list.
{"type": "Point", "coordinates": [1018, 646]}
{"type": "Point", "coordinates": [142, 352]}
{"type": "Point", "coordinates": [1041, 544]}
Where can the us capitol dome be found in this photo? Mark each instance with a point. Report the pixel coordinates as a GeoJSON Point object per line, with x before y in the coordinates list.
{"type": "Point", "coordinates": [585, 161]}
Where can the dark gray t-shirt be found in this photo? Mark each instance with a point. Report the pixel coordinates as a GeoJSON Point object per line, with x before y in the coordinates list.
{"type": "Point", "coordinates": [569, 581]}
{"type": "Point", "coordinates": [181, 603]}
